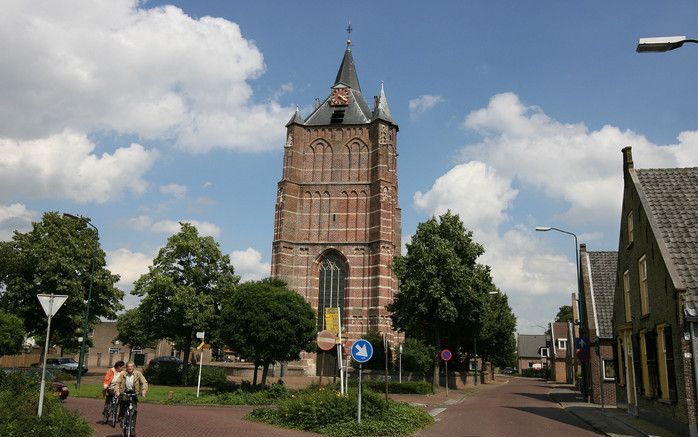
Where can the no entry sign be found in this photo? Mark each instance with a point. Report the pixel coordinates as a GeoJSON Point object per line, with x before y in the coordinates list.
{"type": "Point", "coordinates": [326, 340]}
{"type": "Point", "coordinates": [446, 355]}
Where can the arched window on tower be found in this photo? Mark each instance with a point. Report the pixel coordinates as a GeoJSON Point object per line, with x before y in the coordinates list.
{"type": "Point", "coordinates": [333, 278]}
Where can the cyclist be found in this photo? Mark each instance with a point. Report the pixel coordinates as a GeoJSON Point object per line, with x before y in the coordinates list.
{"type": "Point", "coordinates": [130, 381]}
{"type": "Point", "coordinates": [108, 386]}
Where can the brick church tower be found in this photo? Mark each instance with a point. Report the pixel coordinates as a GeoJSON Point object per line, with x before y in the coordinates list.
{"type": "Point", "coordinates": [337, 220]}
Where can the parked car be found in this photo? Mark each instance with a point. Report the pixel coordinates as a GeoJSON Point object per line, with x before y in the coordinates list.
{"type": "Point", "coordinates": [65, 364]}
{"type": "Point", "coordinates": [508, 371]}
{"type": "Point", "coordinates": [60, 390]}
{"type": "Point", "coordinates": [155, 362]}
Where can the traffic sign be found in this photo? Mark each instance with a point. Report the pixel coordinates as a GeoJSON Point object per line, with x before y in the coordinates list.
{"type": "Point", "coordinates": [361, 351]}
{"type": "Point", "coordinates": [581, 343]}
{"type": "Point", "coordinates": [346, 347]}
{"type": "Point", "coordinates": [332, 320]}
{"type": "Point", "coordinates": [326, 340]}
{"type": "Point", "coordinates": [446, 355]}
{"type": "Point", "coordinates": [51, 303]}
{"type": "Point", "coordinates": [583, 355]}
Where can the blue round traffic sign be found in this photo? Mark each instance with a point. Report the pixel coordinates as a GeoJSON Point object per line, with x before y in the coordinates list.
{"type": "Point", "coordinates": [446, 355]}
{"type": "Point", "coordinates": [361, 351]}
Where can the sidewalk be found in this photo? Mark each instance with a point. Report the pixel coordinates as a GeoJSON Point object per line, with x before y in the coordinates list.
{"type": "Point", "coordinates": [610, 421]}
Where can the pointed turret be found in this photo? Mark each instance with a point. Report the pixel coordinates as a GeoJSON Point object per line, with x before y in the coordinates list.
{"type": "Point", "coordinates": [347, 71]}
{"type": "Point", "coordinates": [297, 118]}
{"type": "Point", "coordinates": [382, 110]}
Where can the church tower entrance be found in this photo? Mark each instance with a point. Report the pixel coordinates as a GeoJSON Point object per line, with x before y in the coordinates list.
{"type": "Point", "coordinates": [337, 220]}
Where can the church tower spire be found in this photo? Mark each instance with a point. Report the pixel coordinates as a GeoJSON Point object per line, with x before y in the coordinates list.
{"type": "Point", "coordinates": [382, 110]}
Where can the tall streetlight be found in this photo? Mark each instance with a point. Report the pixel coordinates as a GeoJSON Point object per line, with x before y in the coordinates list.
{"type": "Point", "coordinates": [662, 43]}
{"type": "Point", "coordinates": [570, 333]}
{"type": "Point", "coordinates": [86, 324]}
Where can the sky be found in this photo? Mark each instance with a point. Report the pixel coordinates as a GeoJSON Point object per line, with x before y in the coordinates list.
{"type": "Point", "coordinates": [139, 115]}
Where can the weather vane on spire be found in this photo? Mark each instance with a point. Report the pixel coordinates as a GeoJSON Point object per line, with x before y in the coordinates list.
{"type": "Point", "coordinates": [349, 29]}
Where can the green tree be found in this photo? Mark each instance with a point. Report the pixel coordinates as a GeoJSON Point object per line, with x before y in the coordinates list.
{"type": "Point", "coordinates": [496, 340]}
{"type": "Point", "coordinates": [56, 257]}
{"type": "Point", "coordinates": [266, 322]}
{"type": "Point", "coordinates": [377, 361]}
{"type": "Point", "coordinates": [132, 331]}
{"type": "Point", "coordinates": [11, 333]}
{"type": "Point", "coordinates": [417, 356]}
{"type": "Point", "coordinates": [564, 314]}
{"type": "Point", "coordinates": [183, 289]}
{"type": "Point", "coordinates": [441, 289]}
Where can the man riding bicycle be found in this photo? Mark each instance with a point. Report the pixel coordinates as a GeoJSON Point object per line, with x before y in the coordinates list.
{"type": "Point", "coordinates": [108, 386]}
{"type": "Point", "coordinates": [130, 381]}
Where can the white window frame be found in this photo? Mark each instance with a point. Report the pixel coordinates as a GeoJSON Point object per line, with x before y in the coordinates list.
{"type": "Point", "coordinates": [644, 285]}
{"type": "Point", "coordinates": [605, 376]}
{"type": "Point", "coordinates": [631, 227]}
{"type": "Point", "coordinates": [544, 352]}
{"type": "Point", "coordinates": [562, 343]}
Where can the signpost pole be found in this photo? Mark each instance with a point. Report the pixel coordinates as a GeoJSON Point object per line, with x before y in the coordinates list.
{"type": "Point", "coordinates": [201, 361]}
{"type": "Point", "coordinates": [446, 378]}
{"type": "Point", "coordinates": [43, 370]}
{"type": "Point", "coordinates": [322, 366]}
{"type": "Point", "coordinates": [385, 353]}
{"type": "Point", "coordinates": [358, 417]}
{"type": "Point", "coordinates": [400, 365]}
{"type": "Point", "coordinates": [339, 351]}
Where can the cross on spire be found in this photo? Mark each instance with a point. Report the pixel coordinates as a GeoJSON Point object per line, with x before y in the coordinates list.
{"type": "Point", "coordinates": [349, 30]}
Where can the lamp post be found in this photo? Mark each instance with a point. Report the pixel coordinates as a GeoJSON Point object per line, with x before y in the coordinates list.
{"type": "Point", "coordinates": [86, 323]}
{"type": "Point", "coordinates": [662, 43]}
{"type": "Point", "coordinates": [576, 256]}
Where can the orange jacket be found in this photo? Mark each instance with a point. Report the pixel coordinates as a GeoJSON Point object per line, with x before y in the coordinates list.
{"type": "Point", "coordinates": [107, 378]}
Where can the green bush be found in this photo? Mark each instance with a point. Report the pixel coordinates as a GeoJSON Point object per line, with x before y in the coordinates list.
{"type": "Point", "coordinates": [19, 397]}
{"type": "Point", "coordinates": [417, 356]}
{"type": "Point", "coordinates": [536, 373]}
{"type": "Point", "coordinates": [234, 395]}
{"type": "Point", "coordinates": [328, 412]}
{"type": "Point", "coordinates": [169, 373]}
{"type": "Point", "coordinates": [407, 387]}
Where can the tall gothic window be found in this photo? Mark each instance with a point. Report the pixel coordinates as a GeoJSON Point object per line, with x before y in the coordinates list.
{"type": "Point", "coordinates": [333, 277]}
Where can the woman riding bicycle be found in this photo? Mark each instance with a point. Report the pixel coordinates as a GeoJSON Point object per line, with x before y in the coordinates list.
{"type": "Point", "coordinates": [108, 386]}
{"type": "Point", "coordinates": [130, 381]}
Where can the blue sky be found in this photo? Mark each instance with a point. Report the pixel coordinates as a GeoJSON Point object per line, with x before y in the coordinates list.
{"type": "Point", "coordinates": [140, 114]}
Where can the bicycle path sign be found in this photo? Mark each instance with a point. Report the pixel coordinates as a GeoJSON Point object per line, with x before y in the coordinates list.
{"type": "Point", "coordinates": [361, 351]}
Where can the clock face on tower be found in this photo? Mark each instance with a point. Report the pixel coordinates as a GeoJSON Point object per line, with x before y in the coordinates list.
{"type": "Point", "coordinates": [340, 97]}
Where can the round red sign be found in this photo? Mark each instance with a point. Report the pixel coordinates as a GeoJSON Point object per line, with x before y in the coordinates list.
{"type": "Point", "coordinates": [326, 340]}
{"type": "Point", "coordinates": [446, 355]}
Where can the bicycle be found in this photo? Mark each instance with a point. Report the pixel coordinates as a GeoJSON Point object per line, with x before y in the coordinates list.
{"type": "Point", "coordinates": [112, 411]}
{"type": "Point", "coordinates": [128, 423]}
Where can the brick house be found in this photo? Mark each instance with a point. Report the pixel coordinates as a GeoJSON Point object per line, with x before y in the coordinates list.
{"type": "Point", "coordinates": [337, 222]}
{"type": "Point", "coordinates": [598, 271]}
{"type": "Point", "coordinates": [656, 295]}
{"type": "Point", "coordinates": [559, 346]}
{"type": "Point", "coordinates": [531, 352]}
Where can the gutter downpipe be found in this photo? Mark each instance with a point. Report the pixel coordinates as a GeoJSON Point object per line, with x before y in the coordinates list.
{"type": "Point", "coordinates": [693, 427]}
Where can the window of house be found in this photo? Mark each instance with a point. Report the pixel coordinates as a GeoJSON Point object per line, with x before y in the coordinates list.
{"type": "Point", "coordinates": [562, 343]}
{"type": "Point", "coordinates": [609, 370]}
{"type": "Point", "coordinates": [631, 227]}
{"type": "Point", "coordinates": [644, 298]}
{"type": "Point", "coordinates": [626, 294]}
{"type": "Point", "coordinates": [662, 361]}
{"type": "Point", "coordinates": [544, 352]}
{"type": "Point", "coordinates": [114, 350]}
{"type": "Point", "coordinates": [646, 387]}
{"type": "Point", "coordinates": [530, 364]}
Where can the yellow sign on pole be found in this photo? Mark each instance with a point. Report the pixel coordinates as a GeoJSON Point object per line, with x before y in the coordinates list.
{"type": "Point", "coordinates": [201, 346]}
{"type": "Point", "coordinates": [332, 320]}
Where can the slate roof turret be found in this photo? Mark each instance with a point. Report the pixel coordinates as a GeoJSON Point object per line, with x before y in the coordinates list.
{"type": "Point", "coordinates": [382, 111]}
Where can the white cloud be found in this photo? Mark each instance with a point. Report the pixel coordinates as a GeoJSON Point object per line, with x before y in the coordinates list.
{"type": "Point", "coordinates": [120, 66]}
{"type": "Point", "coordinates": [474, 191]}
{"type": "Point", "coordinates": [175, 190]}
{"type": "Point", "coordinates": [172, 227]}
{"type": "Point", "coordinates": [129, 266]}
{"type": "Point", "coordinates": [422, 104]}
{"type": "Point", "coordinates": [64, 165]}
{"type": "Point", "coordinates": [139, 223]}
{"type": "Point", "coordinates": [248, 264]}
{"type": "Point", "coordinates": [14, 217]}
{"type": "Point", "coordinates": [567, 162]}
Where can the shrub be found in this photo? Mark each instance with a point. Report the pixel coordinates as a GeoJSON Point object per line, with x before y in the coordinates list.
{"type": "Point", "coordinates": [19, 397]}
{"type": "Point", "coordinates": [536, 373]}
{"type": "Point", "coordinates": [407, 387]}
{"type": "Point", "coordinates": [417, 356]}
{"type": "Point", "coordinates": [328, 412]}
{"type": "Point", "coordinates": [170, 373]}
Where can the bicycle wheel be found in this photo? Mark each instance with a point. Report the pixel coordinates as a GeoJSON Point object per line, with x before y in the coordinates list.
{"type": "Point", "coordinates": [126, 425]}
{"type": "Point", "coordinates": [113, 411]}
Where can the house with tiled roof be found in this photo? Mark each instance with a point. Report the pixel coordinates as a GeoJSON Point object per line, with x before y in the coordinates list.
{"type": "Point", "coordinates": [655, 304]}
{"type": "Point", "coordinates": [598, 271]}
{"type": "Point", "coordinates": [532, 352]}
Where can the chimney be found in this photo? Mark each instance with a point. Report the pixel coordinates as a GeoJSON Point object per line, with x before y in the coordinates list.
{"type": "Point", "coordinates": [582, 247]}
{"type": "Point", "coordinates": [627, 158]}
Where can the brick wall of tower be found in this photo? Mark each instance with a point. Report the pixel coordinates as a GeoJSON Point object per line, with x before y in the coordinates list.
{"type": "Point", "coordinates": [339, 192]}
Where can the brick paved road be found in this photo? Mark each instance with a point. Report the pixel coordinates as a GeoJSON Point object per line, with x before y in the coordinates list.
{"type": "Point", "coordinates": [182, 421]}
{"type": "Point", "coordinates": [520, 408]}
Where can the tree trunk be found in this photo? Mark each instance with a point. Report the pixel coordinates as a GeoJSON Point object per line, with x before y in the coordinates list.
{"type": "Point", "coordinates": [265, 372]}
{"type": "Point", "coordinates": [130, 352]}
{"type": "Point", "coordinates": [254, 377]}
{"type": "Point", "coordinates": [437, 343]}
{"type": "Point", "coordinates": [185, 368]}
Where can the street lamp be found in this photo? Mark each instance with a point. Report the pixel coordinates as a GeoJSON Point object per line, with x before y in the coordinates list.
{"type": "Point", "coordinates": [570, 333]}
{"type": "Point", "coordinates": [86, 324]}
{"type": "Point", "coordinates": [662, 43]}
